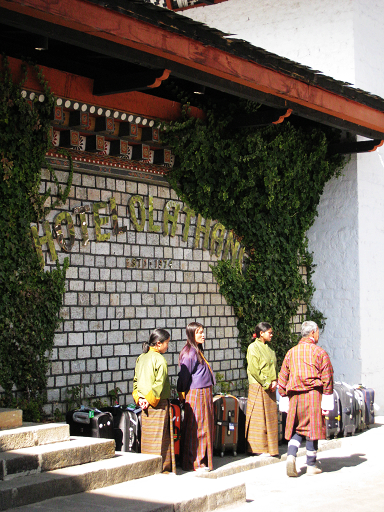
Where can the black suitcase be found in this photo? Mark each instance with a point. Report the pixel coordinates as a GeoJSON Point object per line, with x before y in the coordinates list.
{"type": "Point", "coordinates": [134, 429]}
{"type": "Point", "coordinates": [359, 395]}
{"type": "Point", "coordinates": [88, 422]}
{"type": "Point", "coordinates": [369, 399]}
{"type": "Point", "coordinates": [241, 441]}
{"type": "Point", "coordinates": [348, 407]}
{"type": "Point", "coordinates": [333, 420]}
{"type": "Point", "coordinates": [126, 427]}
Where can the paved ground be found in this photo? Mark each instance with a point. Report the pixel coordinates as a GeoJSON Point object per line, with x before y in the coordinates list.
{"type": "Point", "coordinates": [352, 480]}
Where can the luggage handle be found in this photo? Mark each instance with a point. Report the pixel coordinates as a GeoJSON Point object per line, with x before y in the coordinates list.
{"type": "Point", "coordinates": [81, 417]}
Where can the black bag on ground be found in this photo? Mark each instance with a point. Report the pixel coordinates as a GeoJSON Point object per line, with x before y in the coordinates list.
{"type": "Point", "coordinates": [126, 427]}
{"type": "Point", "coordinates": [242, 442]}
{"type": "Point", "coordinates": [88, 422]}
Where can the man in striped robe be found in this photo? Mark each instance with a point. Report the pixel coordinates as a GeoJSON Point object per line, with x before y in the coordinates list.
{"type": "Point", "coordinates": [306, 378]}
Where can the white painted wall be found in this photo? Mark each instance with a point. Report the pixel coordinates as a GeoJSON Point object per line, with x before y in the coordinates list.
{"type": "Point", "coordinates": [371, 255]}
{"type": "Point", "coordinates": [345, 40]}
{"type": "Point", "coordinates": [334, 241]}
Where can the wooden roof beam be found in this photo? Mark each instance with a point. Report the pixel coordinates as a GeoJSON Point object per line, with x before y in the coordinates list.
{"type": "Point", "coordinates": [117, 84]}
{"type": "Point", "coordinates": [349, 148]}
{"type": "Point", "coordinates": [263, 117]}
{"type": "Point", "coordinates": [180, 53]}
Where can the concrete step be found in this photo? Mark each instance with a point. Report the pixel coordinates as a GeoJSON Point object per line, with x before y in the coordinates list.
{"type": "Point", "coordinates": [79, 450]}
{"type": "Point", "coordinates": [33, 435]}
{"type": "Point", "coordinates": [76, 479]}
{"type": "Point", "coordinates": [157, 493]}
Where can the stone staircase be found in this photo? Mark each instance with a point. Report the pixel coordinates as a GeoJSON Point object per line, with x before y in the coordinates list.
{"type": "Point", "coordinates": [39, 462]}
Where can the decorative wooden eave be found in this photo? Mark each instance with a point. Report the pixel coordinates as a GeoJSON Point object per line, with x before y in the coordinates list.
{"type": "Point", "coordinates": [130, 31]}
{"type": "Point", "coordinates": [72, 86]}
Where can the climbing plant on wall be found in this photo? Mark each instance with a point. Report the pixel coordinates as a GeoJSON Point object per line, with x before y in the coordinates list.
{"type": "Point", "coordinates": [264, 184]}
{"type": "Point", "coordinates": [30, 298]}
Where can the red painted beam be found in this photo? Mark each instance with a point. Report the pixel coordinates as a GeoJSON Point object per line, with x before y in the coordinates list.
{"type": "Point", "coordinates": [67, 85]}
{"type": "Point", "coordinates": [122, 29]}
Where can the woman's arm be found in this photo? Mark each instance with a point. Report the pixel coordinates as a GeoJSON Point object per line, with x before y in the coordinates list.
{"type": "Point", "coordinates": [161, 373]}
{"type": "Point", "coordinates": [187, 368]}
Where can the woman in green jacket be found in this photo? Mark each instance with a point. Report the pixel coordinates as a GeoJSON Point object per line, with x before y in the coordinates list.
{"type": "Point", "coordinates": [151, 391]}
{"type": "Point", "coordinates": [261, 425]}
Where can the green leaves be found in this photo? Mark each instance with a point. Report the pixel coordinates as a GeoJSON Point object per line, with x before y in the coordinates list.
{"type": "Point", "coordinates": [30, 298]}
{"type": "Point", "coordinates": [265, 185]}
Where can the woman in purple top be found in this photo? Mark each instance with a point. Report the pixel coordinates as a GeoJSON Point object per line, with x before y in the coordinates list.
{"type": "Point", "coordinates": [194, 385]}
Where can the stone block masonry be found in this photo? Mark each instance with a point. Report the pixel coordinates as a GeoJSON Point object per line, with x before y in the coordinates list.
{"type": "Point", "coordinates": [129, 273]}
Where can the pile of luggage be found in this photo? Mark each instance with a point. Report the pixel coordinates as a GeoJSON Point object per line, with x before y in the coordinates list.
{"type": "Point", "coordinates": [353, 412]}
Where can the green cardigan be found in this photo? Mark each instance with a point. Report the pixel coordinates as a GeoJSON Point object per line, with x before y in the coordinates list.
{"type": "Point", "coordinates": [262, 364]}
{"type": "Point", "coordinates": [151, 379]}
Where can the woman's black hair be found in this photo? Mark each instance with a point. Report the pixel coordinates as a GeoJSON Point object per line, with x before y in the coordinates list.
{"type": "Point", "coordinates": [191, 341]}
{"type": "Point", "coordinates": [262, 327]}
{"type": "Point", "coordinates": [157, 335]}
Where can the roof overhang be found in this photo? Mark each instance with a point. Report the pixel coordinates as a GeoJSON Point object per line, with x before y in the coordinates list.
{"type": "Point", "coordinates": [161, 40]}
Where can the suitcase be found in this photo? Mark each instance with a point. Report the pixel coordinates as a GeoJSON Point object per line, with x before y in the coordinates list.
{"type": "Point", "coordinates": [126, 427]}
{"type": "Point", "coordinates": [348, 407]}
{"type": "Point", "coordinates": [333, 420]}
{"type": "Point", "coordinates": [241, 440]}
{"type": "Point", "coordinates": [281, 421]}
{"type": "Point", "coordinates": [369, 400]}
{"type": "Point", "coordinates": [177, 421]}
{"type": "Point", "coordinates": [226, 417]}
{"type": "Point", "coordinates": [88, 422]}
{"type": "Point", "coordinates": [359, 395]}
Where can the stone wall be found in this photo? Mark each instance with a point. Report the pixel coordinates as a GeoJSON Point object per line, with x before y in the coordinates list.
{"type": "Point", "coordinates": [119, 289]}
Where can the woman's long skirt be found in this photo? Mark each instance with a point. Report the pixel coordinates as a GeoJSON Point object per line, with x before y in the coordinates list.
{"type": "Point", "coordinates": [157, 434]}
{"type": "Point", "coordinates": [261, 423]}
{"type": "Point", "coordinates": [198, 429]}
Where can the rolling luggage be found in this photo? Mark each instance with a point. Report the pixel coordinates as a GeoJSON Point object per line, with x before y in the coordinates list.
{"type": "Point", "coordinates": [226, 414]}
{"type": "Point", "coordinates": [361, 425]}
{"type": "Point", "coordinates": [369, 401]}
{"type": "Point", "coordinates": [177, 421]}
{"type": "Point", "coordinates": [126, 427]}
{"type": "Point", "coordinates": [134, 428]}
{"type": "Point", "coordinates": [281, 422]}
{"type": "Point", "coordinates": [333, 420]}
{"type": "Point", "coordinates": [348, 407]}
{"type": "Point", "coordinates": [88, 422]}
{"type": "Point", "coordinates": [242, 441]}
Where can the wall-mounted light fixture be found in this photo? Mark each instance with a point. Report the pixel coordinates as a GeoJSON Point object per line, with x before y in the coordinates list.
{"type": "Point", "coordinates": [198, 89]}
{"type": "Point", "coordinates": [41, 43]}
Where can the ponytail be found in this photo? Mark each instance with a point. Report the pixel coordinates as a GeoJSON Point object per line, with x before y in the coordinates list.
{"type": "Point", "coordinates": [157, 335]}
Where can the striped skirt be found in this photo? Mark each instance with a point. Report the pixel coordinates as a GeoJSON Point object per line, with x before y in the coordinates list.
{"type": "Point", "coordinates": [157, 434]}
{"type": "Point", "coordinates": [304, 415]}
{"type": "Point", "coordinates": [198, 429]}
{"type": "Point", "coordinates": [261, 423]}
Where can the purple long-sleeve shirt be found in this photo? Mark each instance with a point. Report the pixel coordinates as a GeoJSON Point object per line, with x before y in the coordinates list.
{"type": "Point", "coordinates": [193, 375]}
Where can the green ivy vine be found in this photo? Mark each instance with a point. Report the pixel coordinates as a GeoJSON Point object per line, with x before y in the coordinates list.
{"type": "Point", "coordinates": [30, 298]}
{"type": "Point", "coordinates": [265, 185]}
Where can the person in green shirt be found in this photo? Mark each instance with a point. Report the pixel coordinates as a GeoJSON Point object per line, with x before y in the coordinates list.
{"type": "Point", "coordinates": [151, 391]}
{"type": "Point", "coordinates": [261, 424]}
